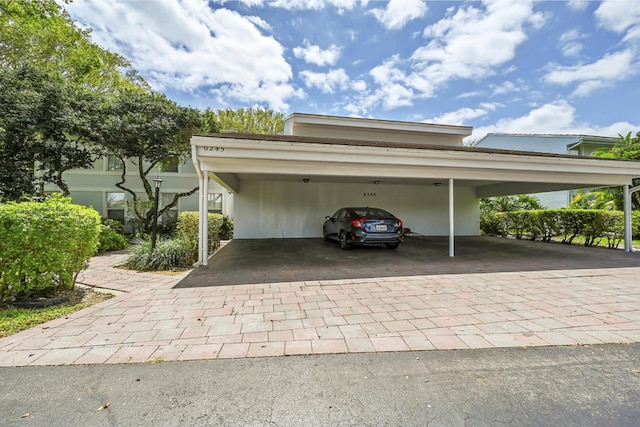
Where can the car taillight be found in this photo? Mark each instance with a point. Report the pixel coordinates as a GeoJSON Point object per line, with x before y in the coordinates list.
{"type": "Point", "coordinates": [398, 224]}
{"type": "Point", "coordinates": [357, 223]}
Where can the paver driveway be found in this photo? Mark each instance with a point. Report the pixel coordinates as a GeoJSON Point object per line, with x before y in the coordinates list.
{"type": "Point", "coordinates": [525, 294]}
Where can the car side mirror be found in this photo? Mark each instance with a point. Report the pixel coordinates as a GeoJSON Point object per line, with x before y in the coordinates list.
{"type": "Point", "coordinates": [328, 218]}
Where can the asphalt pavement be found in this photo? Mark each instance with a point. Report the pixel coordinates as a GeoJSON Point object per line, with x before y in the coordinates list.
{"type": "Point", "coordinates": [542, 386]}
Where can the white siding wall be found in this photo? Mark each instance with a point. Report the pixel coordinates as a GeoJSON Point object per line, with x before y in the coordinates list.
{"type": "Point", "coordinates": [279, 209]}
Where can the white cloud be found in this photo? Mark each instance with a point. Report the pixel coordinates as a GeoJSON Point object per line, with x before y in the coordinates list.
{"type": "Point", "coordinates": [460, 117]}
{"type": "Point", "coordinates": [578, 4]}
{"type": "Point", "coordinates": [399, 12]}
{"type": "Point", "coordinates": [620, 16]}
{"type": "Point", "coordinates": [557, 117]}
{"type": "Point", "coordinates": [569, 44]}
{"type": "Point", "coordinates": [315, 4]}
{"type": "Point", "coordinates": [359, 85]}
{"type": "Point", "coordinates": [394, 96]}
{"type": "Point", "coordinates": [388, 72]}
{"type": "Point", "coordinates": [504, 88]}
{"type": "Point", "coordinates": [471, 43]}
{"type": "Point", "coordinates": [249, 3]}
{"type": "Point", "coordinates": [601, 73]}
{"type": "Point", "coordinates": [326, 82]}
{"type": "Point", "coordinates": [313, 54]}
{"type": "Point", "coordinates": [188, 46]}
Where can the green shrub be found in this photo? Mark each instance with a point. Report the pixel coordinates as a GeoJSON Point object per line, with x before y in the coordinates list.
{"type": "Point", "coordinates": [110, 240]}
{"type": "Point", "coordinates": [491, 223]}
{"type": "Point", "coordinates": [43, 246]}
{"type": "Point", "coordinates": [226, 229]}
{"type": "Point", "coordinates": [187, 230]}
{"type": "Point", "coordinates": [169, 254]}
{"type": "Point", "coordinates": [593, 225]}
{"type": "Point", "coordinates": [111, 237]}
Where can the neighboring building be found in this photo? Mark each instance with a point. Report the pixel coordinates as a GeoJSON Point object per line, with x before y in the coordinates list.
{"type": "Point", "coordinates": [96, 187]}
{"type": "Point", "coordinates": [579, 145]}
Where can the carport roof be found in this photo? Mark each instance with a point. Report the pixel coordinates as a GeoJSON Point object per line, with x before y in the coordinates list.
{"type": "Point", "coordinates": [382, 144]}
{"type": "Point", "coordinates": [232, 157]}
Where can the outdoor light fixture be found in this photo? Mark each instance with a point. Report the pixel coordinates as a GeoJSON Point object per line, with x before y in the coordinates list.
{"type": "Point", "coordinates": [157, 182]}
{"type": "Point", "coordinates": [376, 182]}
{"type": "Point", "coordinates": [305, 180]}
{"type": "Point", "coordinates": [437, 184]}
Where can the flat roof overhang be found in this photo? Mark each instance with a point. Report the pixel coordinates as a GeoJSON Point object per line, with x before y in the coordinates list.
{"type": "Point", "coordinates": [231, 158]}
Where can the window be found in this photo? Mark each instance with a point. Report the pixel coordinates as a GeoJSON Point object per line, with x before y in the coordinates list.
{"type": "Point", "coordinates": [214, 202]}
{"type": "Point", "coordinates": [114, 163]}
{"type": "Point", "coordinates": [170, 216]}
{"type": "Point", "coordinates": [115, 206]}
{"type": "Point", "coordinates": [172, 167]}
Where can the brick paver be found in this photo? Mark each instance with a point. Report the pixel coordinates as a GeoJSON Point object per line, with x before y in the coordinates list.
{"type": "Point", "coordinates": [150, 321]}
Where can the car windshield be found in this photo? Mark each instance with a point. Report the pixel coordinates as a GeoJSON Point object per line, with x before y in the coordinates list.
{"type": "Point", "coordinates": [372, 213]}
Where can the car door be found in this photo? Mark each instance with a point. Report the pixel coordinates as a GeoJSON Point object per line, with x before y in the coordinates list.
{"type": "Point", "coordinates": [333, 225]}
{"type": "Point", "coordinates": [342, 220]}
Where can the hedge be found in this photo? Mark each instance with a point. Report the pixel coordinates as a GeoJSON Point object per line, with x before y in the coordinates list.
{"type": "Point", "coordinates": [563, 224]}
{"type": "Point", "coordinates": [44, 245]}
{"type": "Point", "coordinates": [187, 229]}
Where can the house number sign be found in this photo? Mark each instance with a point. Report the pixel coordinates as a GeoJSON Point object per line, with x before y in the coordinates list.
{"type": "Point", "coordinates": [218, 149]}
{"type": "Point", "coordinates": [369, 194]}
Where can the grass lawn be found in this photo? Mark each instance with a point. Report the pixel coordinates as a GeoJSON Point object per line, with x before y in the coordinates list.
{"type": "Point", "coordinates": [13, 319]}
{"type": "Point", "coordinates": [579, 240]}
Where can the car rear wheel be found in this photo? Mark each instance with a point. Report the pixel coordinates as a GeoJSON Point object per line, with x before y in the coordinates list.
{"type": "Point", "coordinates": [392, 245]}
{"type": "Point", "coordinates": [344, 243]}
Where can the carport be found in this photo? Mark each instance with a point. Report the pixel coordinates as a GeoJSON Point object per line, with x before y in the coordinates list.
{"type": "Point", "coordinates": [284, 185]}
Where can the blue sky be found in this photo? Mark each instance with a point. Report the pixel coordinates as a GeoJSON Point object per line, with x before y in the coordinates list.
{"type": "Point", "coordinates": [500, 66]}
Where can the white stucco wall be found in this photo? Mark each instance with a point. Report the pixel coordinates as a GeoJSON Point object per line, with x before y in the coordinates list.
{"type": "Point", "coordinates": [278, 209]}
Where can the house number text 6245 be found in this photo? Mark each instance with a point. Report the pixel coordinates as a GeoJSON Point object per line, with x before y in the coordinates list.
{"type": "Point", "coordinates": [219, 149]}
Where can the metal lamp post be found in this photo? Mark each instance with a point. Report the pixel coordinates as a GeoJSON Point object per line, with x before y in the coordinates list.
{"type": "Point", "coordinates": [156, 182]}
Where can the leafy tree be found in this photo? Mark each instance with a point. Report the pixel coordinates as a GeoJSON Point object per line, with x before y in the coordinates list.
{"type": "Point", "coordinates": [252, 120]}
{"type": "Point", "coordinates": [44, 128]}
{"type": "Point", "coordinates": [628, 147]}
{"type": "Point", "coordinates": [518, 202]}
{"type": "Point", "coordinates": [146, 128]}
{"type": "Point", "coordinates": [41, 33]}
{"type": "Point", "coordinates": [52, 81]}
{"type": "Point", "coordinates": [597, 199]}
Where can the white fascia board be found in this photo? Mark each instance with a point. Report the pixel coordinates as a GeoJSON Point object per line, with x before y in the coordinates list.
{"type": "Point", "coordinates": [373, 124]}
{"type": "Point", "coordinates": [292, 156]}
{"type": "Point", "coordinates": [346, 169]}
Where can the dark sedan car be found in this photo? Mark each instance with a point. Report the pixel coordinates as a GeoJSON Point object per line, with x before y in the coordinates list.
{"type": "Point", "coordinates": [363, 226]}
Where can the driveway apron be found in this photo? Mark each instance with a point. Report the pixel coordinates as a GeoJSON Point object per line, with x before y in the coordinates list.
{"type": "Point", "coordinates": [306, 296]}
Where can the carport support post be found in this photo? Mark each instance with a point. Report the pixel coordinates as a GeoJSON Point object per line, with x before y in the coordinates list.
{"type": "Point", "coordinates": [203, 241]}
{"type": "Point", "coordinates": [627, 218]}
{"type": "Point", "coordinates": [451, 220]}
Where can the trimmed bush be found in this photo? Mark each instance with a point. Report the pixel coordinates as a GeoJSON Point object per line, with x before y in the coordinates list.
{"type": "Point", "coordinates": [181, 251]}
{"type": "Point", "coordinates": [594, 225]}
{"type": "Point", "coordinates": [226, 229]}
{"type": "Point", "coordinates": [168, 255]}
{"type": "Point", "coordinates": [43, 246]}
{"type": "Point", "coordinates": [111, 238]}
{"type": "Point", "coordinates": [187, 229]}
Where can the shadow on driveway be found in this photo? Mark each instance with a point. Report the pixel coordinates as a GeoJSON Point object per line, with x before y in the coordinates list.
{"type": "Point", "coordinates": [293, 260]}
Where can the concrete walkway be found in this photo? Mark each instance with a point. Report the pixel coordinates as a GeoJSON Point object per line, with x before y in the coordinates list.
{"type": "Point", "coordinates": [150, 320]}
